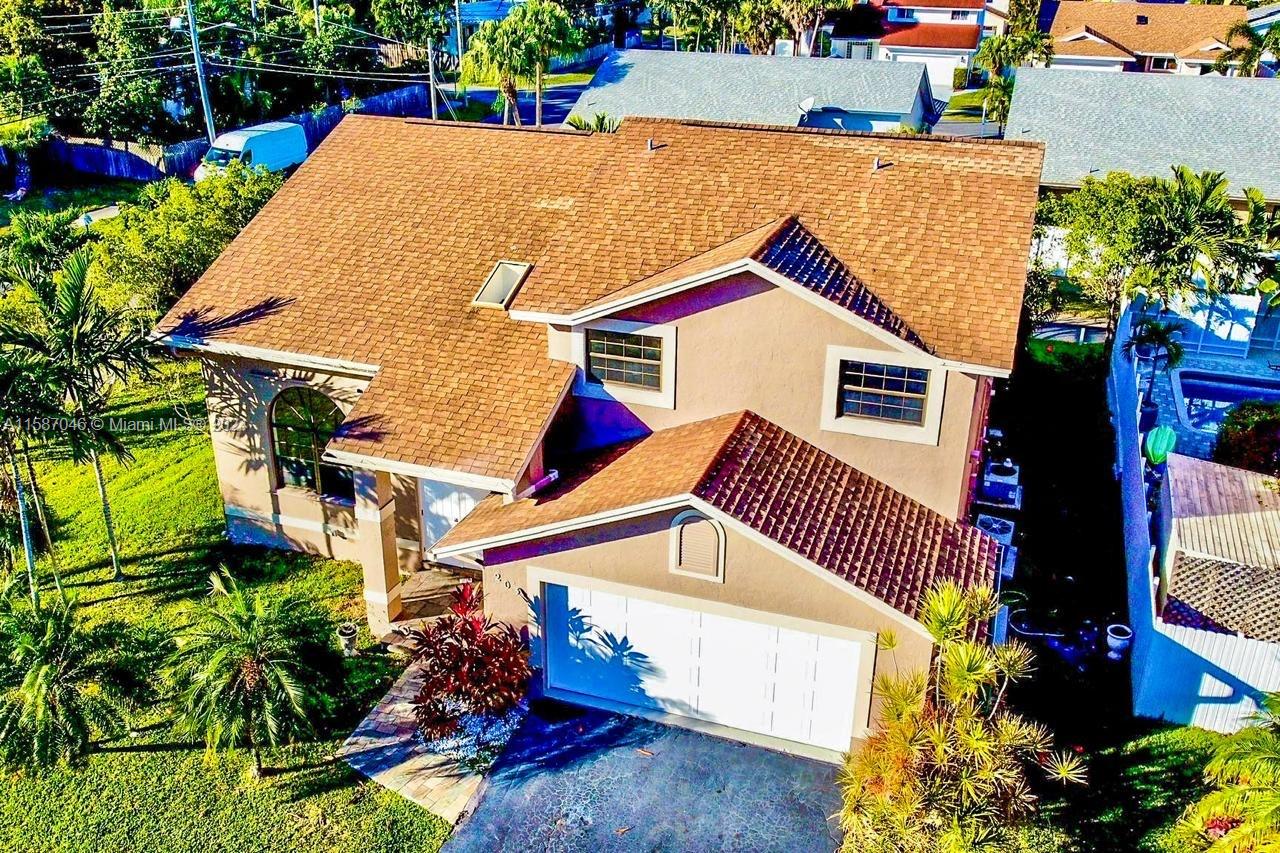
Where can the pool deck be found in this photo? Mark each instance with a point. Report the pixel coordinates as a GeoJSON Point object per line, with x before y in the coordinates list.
{"type": "Point", "coordinates": [1195, 442]}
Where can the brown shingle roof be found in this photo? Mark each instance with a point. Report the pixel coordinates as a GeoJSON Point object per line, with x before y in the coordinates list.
{"type": "Point", "coordinates": [1072, 44]}
{"type": "Point", "coordinates": [778, 484]}
{"type": "Point", "coordinates": [372, 253]}
{"type": "Point", "coordinates": [1170, 27]}
{"type": "Point", "coordinates": [1224, 512]}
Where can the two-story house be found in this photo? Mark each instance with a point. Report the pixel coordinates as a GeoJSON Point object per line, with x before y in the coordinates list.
{"type": "Point", "coordinates": [1162, 38]}
{"type": "Point", "coordinates": [943, 35]}
{"type": "Point", "coordinates": [704, 427]}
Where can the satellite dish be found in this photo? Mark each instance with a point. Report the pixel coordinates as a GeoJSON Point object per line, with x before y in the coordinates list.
{"type": "Point", "coordinates": [807, 105]}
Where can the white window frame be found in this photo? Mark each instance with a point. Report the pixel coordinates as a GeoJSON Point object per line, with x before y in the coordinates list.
{"type": "Point", "coordinates": [662, 398]}
{"type": "Point", "coordinates": [926, 432]}
{"type": "Point", "coordinates": [673, 565]}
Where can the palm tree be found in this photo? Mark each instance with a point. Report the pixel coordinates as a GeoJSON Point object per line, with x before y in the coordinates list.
{"type": "Point", "coordinates": [999, 54]}
{"type": "Point", "coordinates": [1247, 48]}
{"type": "Point", "coordinates": [1154, 338]}
{"type": "Point", "coordinates": [239, 671]}
{"type": "Point", "coordinates": [24, 399]}
{"type": "Point", "coordinates": [501, 51]}
{"type": "Point", "coordinates": [997, 97]}
{"type": "Point", "coordinates": [81, 348]}
{"type": "Point", "coordinates": [551, 34]}
{"type": "Point", "coordinates": [759, 24]}
{"type": "Point", "coordinates": [598, 123]}
{"type": "Point", "coordinates": [1191, 236]}
{"type": "Point", "coordinates": [60, 684]}
{"type": "Point", "coordinates": [1243, 814]}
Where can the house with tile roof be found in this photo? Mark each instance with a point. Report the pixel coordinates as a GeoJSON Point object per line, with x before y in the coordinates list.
{"type": "Point", "coordinates": [783, 90]}
{"type": "Point", "coordinates": [698, 426]}
{"type": "Point", "coordinates": [1165, 38]}
{"type": "Point", "coordinates": [942, 35]}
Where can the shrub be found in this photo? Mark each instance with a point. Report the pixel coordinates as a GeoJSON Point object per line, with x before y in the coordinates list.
{"type": "Point", "coordinates": [959, 78]}
{"type": "Point", "coordinates": [470, 665]}
{"type": "Point", "coordinates": [947, 769]}
{"type": "Point", "coordinates": [1250, 438]}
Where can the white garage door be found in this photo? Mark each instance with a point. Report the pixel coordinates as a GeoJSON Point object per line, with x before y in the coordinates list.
{"type": "Point", "coordinates": [941, 68]}
{"type": "Point", "coordinates": [788, 684]}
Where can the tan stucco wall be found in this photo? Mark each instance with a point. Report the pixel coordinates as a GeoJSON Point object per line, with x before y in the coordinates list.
{"type": "Point", "coordinates": [239, 395]}
{"type": "Point", "coordinates": [636, 553]}
{"type": "Point", "coordinates": [747, 344]}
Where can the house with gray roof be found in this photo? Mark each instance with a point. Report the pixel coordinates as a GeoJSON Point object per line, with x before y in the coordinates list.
{"type": "Point", "coordinates": [845, 94]}
{"type": "Point", "coordinates": [1093, 123]}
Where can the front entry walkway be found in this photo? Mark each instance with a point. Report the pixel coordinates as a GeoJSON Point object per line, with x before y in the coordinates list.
{"type": "Point", "coordinates": [385, 748]}
{"type": "Point", "coordinates": [574, 779]}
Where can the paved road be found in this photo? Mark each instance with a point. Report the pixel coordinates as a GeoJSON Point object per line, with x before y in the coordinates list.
{"type": "Point", "coordinates": [556, 103]}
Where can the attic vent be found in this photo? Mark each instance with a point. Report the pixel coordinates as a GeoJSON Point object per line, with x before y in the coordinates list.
{"type": "Point", "coordinates": [501, 285]}
{"type": "Point", "coordinates": [1143, 20]}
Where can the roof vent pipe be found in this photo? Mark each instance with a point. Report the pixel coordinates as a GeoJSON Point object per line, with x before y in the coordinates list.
{"type": "Point", "coordinates": [540, 484]}
{"type": "Point", "coordinates": [649, 146]}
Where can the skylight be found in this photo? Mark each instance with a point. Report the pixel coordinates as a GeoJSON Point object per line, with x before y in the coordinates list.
{"type": "Point", "coordinates": [501, 285]}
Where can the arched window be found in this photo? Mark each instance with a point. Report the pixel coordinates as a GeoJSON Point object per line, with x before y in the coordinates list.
{"type": "Point", "coordinates": [302, 422]}
{"type": "Point", "coordinates": [697, 546]}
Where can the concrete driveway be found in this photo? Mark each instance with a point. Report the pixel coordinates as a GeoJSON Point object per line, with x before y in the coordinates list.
{"type": "Point", "coordinates": [574, 779]}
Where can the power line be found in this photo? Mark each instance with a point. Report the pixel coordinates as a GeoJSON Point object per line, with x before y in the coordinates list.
{"type": "Point", "coordinates": [116, 12]}
{"type": "Point", "coordinates": [277, 68]}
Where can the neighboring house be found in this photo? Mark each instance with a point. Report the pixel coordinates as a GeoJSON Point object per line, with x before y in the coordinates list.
{"type": "Point", "coordinates": [781, 90]}
{"type": "Point", "coordinates": [1202, 540]}
{"type": "Point", "coordinates": [1166, 38]}
{"type": "Point", "coordinates": [1092, 124]}
{"type": "Point", "coordinates": [701, 404]}
{"type": "Point", "coordinates": [942, 35]}
{"type": "Point", "coordinates": [1263, 18]}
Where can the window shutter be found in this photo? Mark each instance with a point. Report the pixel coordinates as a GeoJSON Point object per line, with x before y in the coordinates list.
{"type": "Point", "coordinates": [699, 547]}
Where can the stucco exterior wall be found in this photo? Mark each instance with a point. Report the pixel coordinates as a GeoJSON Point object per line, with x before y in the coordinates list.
{"type": "Point", "coordinates": [747, 344]}
{"type": "Point", "coordinates": [637, 553]}
{"type": "Point", "coordinates": [239, 395]}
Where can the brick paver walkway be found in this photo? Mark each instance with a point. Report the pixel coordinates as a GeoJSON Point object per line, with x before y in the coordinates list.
{"type": "Point", "coordinates": [385, 748]}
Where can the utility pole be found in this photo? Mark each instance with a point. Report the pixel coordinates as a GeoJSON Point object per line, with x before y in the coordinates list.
{"type": "Point", "coordinates": [194, 30]}
{"type": "Point", "coordinates": [315, 13]}
{"type": "Point", "coordinates": [458, 45]}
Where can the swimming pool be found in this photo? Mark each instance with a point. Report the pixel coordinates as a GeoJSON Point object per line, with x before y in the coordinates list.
{"type": "Point", "coordinates": [1209, 396]}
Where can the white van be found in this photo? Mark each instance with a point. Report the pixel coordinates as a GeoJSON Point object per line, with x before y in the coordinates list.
{"type": "Point", "coordinates": [274, 146]}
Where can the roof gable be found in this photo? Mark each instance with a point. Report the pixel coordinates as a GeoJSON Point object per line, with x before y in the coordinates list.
{"type": "Point", "coordinates": [778, 485]}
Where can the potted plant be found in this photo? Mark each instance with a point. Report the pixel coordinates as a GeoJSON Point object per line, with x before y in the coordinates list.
{"type": "Point", "coordinates": [1149, 341]}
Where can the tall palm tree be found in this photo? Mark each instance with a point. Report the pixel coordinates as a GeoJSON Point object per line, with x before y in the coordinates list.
{"type": "Point", "coordinates": [24, 399]}
{"type": "Point", "coordinates": [1191, 237]}
{"type": "Point", "coordinates": [1247, 49]}
{"type": "Point", "coordinates": [999, 54]}
{"type": "Point", "coordinates": [81, 348]}
{"type": "Point", "coordinates": [239, 671]}
{"type": "Point", "coordinates": [551, 34]}
{"type": "Point", "coordinates": [1157, 338]}
{"type": "Point", "coordinates": [60, 685]}
{"type": "Point", "coordinates": [997, 98]}
{"type": "Point", "coordinates": [502, 52]}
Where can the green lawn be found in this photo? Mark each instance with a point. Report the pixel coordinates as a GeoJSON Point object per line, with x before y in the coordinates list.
{"type": "Point", "coordinates": [965, 105]}
{"type": "Point", "coordinates": [87, 196]}
{"type": "Point", "coordinates": [150, 792]}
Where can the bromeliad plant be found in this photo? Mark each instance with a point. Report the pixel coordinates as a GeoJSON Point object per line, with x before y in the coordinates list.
{"type": "Point", "coordinates": [947, 770]}
{"type": "Point", "coordinates": [471, 665]}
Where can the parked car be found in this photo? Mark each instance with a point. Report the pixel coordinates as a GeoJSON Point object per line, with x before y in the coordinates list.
{"type": "Point", "coordinates": [274, 146]}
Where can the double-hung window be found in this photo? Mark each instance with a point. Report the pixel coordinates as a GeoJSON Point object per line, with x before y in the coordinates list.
{"type": "Point", "coordinates": [886, 392]}
{"type": "Point", "coordinates": [622, 358]}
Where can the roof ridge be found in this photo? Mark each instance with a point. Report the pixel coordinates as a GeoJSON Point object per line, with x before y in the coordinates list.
{"type": "Point", "coordinates": [922, 138]}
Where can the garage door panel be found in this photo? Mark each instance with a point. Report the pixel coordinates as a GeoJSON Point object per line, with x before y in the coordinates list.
{"type": "Point", "coordinates": [736, 672]}
{"type": "Point", "coordinates": [733, 663]}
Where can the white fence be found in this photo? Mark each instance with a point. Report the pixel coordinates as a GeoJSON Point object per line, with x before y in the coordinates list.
{"type": "Point", "coordinates": [1183, 675]}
